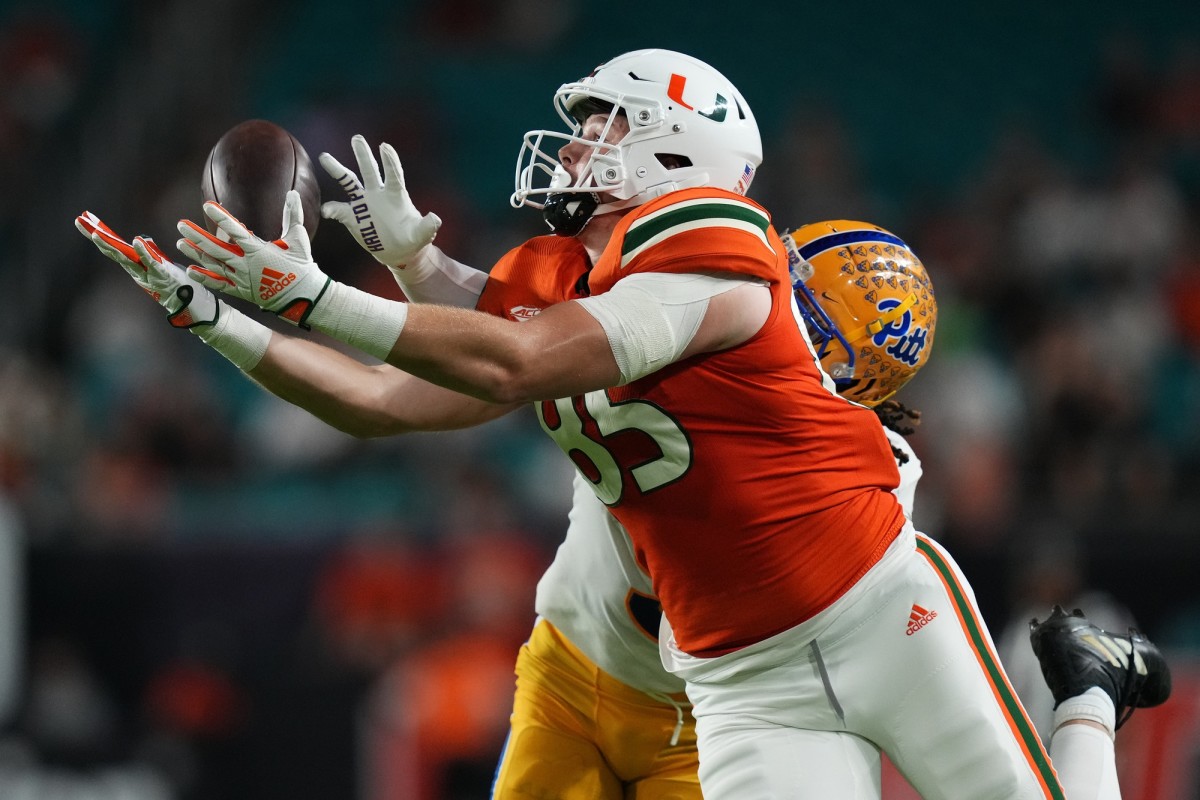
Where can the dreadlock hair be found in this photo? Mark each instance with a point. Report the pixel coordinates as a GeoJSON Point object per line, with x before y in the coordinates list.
{"type": "Point", "coordinates": [900, 418]}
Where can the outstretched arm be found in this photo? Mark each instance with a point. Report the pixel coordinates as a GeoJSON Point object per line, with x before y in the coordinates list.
{"type": "Point", "coordinates": [357, 398]}
{"type": "Point", "coordinates": [646, 323]}
{"type": "Point", "coordinates": [560, 353]}
{"type": "Point", "coordinates": [565, 350]}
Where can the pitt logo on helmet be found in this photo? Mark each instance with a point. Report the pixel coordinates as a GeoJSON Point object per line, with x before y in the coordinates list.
{"type": "Point", "coordinates": [909, 339]}
{"type": "Point", "coordinates": [867, 302]}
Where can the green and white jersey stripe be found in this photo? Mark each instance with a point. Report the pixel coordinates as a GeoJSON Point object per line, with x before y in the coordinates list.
{"type": "Point", "coordinates": [690, 215]}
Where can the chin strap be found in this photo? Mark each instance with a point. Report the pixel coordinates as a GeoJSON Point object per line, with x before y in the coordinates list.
{"type": "Point", "coordinates": [568, 213]}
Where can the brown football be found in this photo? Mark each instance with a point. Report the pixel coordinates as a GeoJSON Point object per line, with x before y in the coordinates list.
{"type": "Point", "coordinates": [249, 171]}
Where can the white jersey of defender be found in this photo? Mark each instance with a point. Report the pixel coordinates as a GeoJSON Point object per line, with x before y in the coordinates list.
{"type": "Point", "coordinates": [584, 593]}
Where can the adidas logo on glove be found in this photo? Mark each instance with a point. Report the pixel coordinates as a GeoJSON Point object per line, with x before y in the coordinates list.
{"type": "Point", "coordinates": [274, 282]}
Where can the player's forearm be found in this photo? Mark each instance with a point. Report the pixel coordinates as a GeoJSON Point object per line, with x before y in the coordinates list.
{"type": "Point", "coordinates": [458, 349]}
{"type": "Point", "coordinates": [561, 353]}
{"type": "Point", "coordinates": [330, 385]}
{"type": "Point", "coordinates": [359, 399]}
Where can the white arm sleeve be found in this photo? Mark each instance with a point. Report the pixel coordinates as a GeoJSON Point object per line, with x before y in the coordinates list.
{"type": "Point", "coordinates": [651, 317]}
{"type": "Point", "coordinates": [434, 277]}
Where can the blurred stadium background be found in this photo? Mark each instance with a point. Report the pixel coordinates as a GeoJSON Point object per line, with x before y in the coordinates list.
{"type": "Point", "coordinates": [205, 593]}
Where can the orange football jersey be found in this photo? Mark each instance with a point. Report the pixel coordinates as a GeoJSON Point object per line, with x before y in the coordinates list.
{"type": "Point", "coordinates": [541, 272]}
{"type": "Point", "coordinates": [754, 495]}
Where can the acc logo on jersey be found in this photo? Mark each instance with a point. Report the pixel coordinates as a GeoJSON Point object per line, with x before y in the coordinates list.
{"type": "Point", "coordinates": [523, 313]}
{"type": "Point", "coordinates": [910, 339]}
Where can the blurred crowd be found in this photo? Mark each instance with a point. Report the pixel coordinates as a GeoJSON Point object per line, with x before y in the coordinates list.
{"type": "Point", "coordinates": [215, 595]}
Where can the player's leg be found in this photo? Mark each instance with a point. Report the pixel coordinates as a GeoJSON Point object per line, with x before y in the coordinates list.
{"type": "Point", "coordinates": [902, 661]}
{"type": "Point", "coordinates": [649, 743]}
{"type": "Point", "coordinates": [551, 749]}
{"type": "Point", "coordinates": [1081, 748]}
{"type": "Point", "coordinates": [1094, 676]}
{"type": "Point", "coordinates": [675, 778]}
{"type": "Point", "coordinates": [765, 724]}
{"type": "Point", "coordinates": [742, 757]}
{"type": "Point", "coordinates": [647, 740]}
{"type": "Point", "coordinates": [921, 678]}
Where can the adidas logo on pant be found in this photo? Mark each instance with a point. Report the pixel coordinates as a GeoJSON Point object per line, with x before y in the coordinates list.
{"type": "Point", "coordinates": [918, 618]}
{"type": "Point", "coordinates": [273, 283]}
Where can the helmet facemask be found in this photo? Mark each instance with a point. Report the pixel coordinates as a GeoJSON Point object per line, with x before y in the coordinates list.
{"type": "Point", "coordinates": [833, 351]}
{"type": "Point", "coordinates": [604, 184]}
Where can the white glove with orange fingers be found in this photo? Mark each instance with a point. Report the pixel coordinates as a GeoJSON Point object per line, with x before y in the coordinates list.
{"type": "Point", "coordinates": [281, 277]}
{"type": "Point", "coordinates": [278, 276]}
{"type": "Point", "coordinates": [379, 215]}
{"type": "Point", "coordinates": [188, 304]}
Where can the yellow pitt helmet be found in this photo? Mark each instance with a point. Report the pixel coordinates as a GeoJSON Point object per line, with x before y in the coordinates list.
{"type": "Point", "coordinates": [867, 302]}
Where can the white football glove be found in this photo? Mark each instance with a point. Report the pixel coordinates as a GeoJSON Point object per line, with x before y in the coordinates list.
{"type": "Point", "coordinates": [278, 276]}
{"type": "Point", "coordinates": [188, 303]}
{"type": "Point", "coordinates": [379, 215]}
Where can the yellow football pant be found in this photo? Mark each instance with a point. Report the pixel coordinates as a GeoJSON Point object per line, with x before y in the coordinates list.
{"type": "Point", "coordinates": [580, 734]}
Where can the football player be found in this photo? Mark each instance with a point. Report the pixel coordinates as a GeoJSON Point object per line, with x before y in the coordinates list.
{"type": "Point", "coordinates": [595, 714]}
{"type": "Point", "coordinates": [812, 624]}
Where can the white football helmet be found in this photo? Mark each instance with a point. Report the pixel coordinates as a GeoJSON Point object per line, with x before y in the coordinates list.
{"type": "Point", "coordinates": [688, 126]}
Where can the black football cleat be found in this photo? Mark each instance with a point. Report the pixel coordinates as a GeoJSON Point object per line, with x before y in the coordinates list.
{"type": "Point", "coordinates": [1075, 655]}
